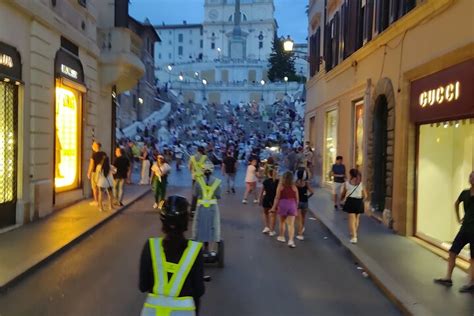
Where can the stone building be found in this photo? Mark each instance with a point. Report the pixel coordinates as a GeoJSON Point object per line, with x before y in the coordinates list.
{"type": "Point", "coordinates": [140, 101]}
{"type": "Point", "coordinates": [389, 90]}
{"type": "Point", "coordinates": [61, 63]}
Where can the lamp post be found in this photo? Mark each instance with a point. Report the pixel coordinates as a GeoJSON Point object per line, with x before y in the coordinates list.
{"type": "Point", "coordinates": [262, 83]}
{"type": "Point", "coordinates": [169, 73]}
{"type": "Point", "coordinates": [181, 78]}
{"type": "Point", "coordinates": [288, 44]}
{"type": "Point", "coordinates": [219, 50]}
{"type": "Point", "coordinates": [204, 83]}
{"type": "Point", "coordinates": [286, 85]}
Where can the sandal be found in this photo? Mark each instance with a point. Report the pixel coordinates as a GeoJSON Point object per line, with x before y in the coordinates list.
{"type": "Point", "coordinates": [468, 288]}
{"type": "Point", "coordinates": [444, 282]}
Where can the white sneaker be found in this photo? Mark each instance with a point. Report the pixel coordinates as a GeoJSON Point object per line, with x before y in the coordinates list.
{"type": "Point", "coordinates": [255, 201]}
{"type": "Point", "coordinates": [272, 233]}
{"type": "Point", "coordinates": [281, 239]}
{"type": "Point", "coordinates": [244, 201]}
{"type": "Point", "coordinates": [300, 237]}
{"type": "Point", "coordinates": [353, 240]}
{"type": "Point", "coordinates": [291, 244]}
{"type": "Point", "coordinates": [265, 230]}
{"type": "Point", "coordinates": [155, 206]}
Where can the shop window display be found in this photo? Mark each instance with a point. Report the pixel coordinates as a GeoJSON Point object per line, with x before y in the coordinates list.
{"type": "Point", "coordinates": [67, 138]}
{"type": "Point", "coordinates": [330, 143]}
{"type": "Point", "coordinates": [445, 160]}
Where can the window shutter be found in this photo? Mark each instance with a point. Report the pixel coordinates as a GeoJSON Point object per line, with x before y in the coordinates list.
{"type": "Point", "coordinates": [353, 9]}
{"type": "Point", "coordinates": [335, 39]}
{"type": "Point", "coordinates": [312, 57]}
{"type": "Point", "coordinates": [343, 32]}
{"type": "Point", "coordinates": [318, 49]}
{"type": "Point", "coordinates": [327, 46]}
{"type": "Point", "coordinates": [368, 19]}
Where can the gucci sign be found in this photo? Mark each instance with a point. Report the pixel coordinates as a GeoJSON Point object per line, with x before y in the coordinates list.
{"type": "Point", "coordinates": [440, 95]}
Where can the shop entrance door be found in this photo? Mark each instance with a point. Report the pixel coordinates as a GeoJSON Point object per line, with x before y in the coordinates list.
{"type": "Point", "coordinates": [8, 153]}
{"type": "Point", "coordinates": [380, 153]}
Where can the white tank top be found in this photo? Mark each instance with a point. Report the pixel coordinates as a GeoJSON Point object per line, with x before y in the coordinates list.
{"type": "Point", "coordinates": [357, 190]}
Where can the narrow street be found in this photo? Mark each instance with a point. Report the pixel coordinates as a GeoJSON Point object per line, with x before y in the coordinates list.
{"type": "Point", "coordinates": [99, 275]}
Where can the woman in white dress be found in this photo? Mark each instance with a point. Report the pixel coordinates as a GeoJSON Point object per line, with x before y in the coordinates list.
{"type": "Point", "coordinates": [145, 172]}
{"type": "Point", "coordinates": [105, 181]}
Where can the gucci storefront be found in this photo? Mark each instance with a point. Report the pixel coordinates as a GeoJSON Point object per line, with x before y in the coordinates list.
{"type": "Point", "coordinates": [442, 108]}
{"type": "Point", "coordinates": [10, 81]}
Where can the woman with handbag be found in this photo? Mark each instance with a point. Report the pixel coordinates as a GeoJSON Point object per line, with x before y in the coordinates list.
{"type": "Point", "coordinates": [105, 181]}
{"type": "Point", "coordinates": [354, 193]}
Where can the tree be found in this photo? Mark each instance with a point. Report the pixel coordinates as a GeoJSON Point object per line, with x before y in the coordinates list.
{"type": "Point", "coordinates": [281, 63]}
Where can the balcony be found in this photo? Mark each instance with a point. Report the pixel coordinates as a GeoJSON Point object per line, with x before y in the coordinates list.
{"type": "Point", "coordinates": [120, 58]}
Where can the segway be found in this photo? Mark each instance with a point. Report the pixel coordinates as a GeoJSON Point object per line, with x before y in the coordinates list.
{"type": "Point", "coordinates": [216, 258]}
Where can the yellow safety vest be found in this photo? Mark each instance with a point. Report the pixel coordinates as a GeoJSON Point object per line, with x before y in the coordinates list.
{"type": "Point", "coordinates": [164, 300]}
{"type": "Point", "coordinates": [198, 166]}
{"type": "Point", "coordinates": [208, 191]}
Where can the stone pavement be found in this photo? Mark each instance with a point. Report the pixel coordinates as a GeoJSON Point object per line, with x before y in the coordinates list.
{"type": "Point", "coordinates": [25, 248]}
{"type": "Point", "coordinates": [403, 269]}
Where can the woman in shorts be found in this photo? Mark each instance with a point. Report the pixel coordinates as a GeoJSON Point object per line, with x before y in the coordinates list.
{"type": "Point", "coordinates": [354, 195]}
{"type": "Point", "coordinates": [267, 196]}
{"type": "Point", "coordinates": [251, 181]}
{"type": "Point", "coordinates": [303, 188]}
{"type": "Point", "coordinates": [286, 200]}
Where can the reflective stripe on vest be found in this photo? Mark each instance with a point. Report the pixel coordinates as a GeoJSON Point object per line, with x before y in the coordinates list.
{"type": "Point", "coordinates": [208, 192]}
{"type": "Point", "coordinates": [198, 166]}
{"type": "Point", "coordinates": [166, 292]}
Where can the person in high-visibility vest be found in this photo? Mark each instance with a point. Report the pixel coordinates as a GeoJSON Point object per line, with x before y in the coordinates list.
{"type": "Point", "coordinates": [171, 268]}
{"type": "Point", "coordinates": [206, 222]}
{"type": "Point", "coordinates": [196, 166]}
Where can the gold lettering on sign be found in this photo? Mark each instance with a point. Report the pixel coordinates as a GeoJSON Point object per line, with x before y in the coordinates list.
{"type": "Point", "coordinates": [6, 61]}
{"type": "Point", "coordinates": [440, 95]}
{"type": "Point", "coordinates": [69, 71]}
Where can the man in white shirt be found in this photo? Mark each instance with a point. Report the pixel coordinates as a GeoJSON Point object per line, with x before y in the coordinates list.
{"type": "Point", "coordinates": [159, 182]}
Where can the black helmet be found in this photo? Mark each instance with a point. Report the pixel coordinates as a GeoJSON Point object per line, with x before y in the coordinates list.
{"type": "Point", "coordinates": [174, 213]}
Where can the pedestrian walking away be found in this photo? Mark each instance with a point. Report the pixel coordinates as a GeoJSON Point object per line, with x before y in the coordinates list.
{"type": "Point", "coordinates": [251, 182]}
{"type": "Point", "coordinates": [354, 195]}
{"type": "Point", "coordinates": [145, 171]}
{"type": "Point", "coordinates": [207, 222]}
{"type": "Point", "coordinates": [229, 169]}
{"type": "Point", "coordinates": [267, 196]}
{"type": "Point", "coordinates": [105, 181]}
{"type": "Point", "coordinates": [171, 268]}
{"type": "Point", "coordinates": [92, 172]}
{"type": "Point", "coordinates": [161, 170]}
{"type": "Point", "coordinates": [196, 166]}
{"type": "Point", "coordinates": [122, 166]}
{"type": "Point", "coordinates": [286, 200]}
{"type": "Point", "coordinates": [304, 192]}
{"type": "Point", "coordinates": [338, 172]}
{"type": "Point", "coordinates": [465, 236]}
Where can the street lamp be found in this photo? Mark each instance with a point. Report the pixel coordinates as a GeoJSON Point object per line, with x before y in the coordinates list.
{"type": "Point", "coordinates": [181, 78]}
{"type": "Point", "coordinates": [288, 44]}
{"type": "Point", "coordinates": [219, 53]}
{"type": "Point", "coordinates": [286, 85]}
{"type": "Point", "coordinates": [169, 72]}
{"type": "Point", "coordinates": [262, 82]}
{"type": "Point", "coordinates": [204, 83]}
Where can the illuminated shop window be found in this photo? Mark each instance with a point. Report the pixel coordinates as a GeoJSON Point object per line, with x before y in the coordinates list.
{"type": "Point", "coordinates": [445, 160]}
{"type": "Point", "coordinates": [359, 135]}
{"type": "Point", "coordinates": [7, 143]}
{"type": "Point", "coordinates": [330, 143]}
{"type": "Point", "coordinates": [67, 138]}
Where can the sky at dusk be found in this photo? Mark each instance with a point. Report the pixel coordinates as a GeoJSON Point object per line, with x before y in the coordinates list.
{"type": "Point", "coordinates": [290, 14]}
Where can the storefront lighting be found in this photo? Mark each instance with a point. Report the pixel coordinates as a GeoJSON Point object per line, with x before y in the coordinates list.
{"type": "Point", "coordinates": [6, 79]}
{"type": "Point", "coordinates": [140, 100]}
{"type": "Point", "coordinates": [17, 83]}
{"type": "Point", "coordinates": [446, 125]}
{"type": "Point", "coordinates": [457, 124]}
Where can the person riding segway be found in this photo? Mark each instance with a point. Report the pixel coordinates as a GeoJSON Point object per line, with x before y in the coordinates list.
{"type": "Point", "coordinates": [171, 268]}
{"type": "Point", "coordinates": [196, 166]}
{"type": "Point", "coordinates": [206, 222]}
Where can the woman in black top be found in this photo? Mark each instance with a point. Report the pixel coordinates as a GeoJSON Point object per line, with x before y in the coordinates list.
{"type": "Point", "coordinates": [267, 195]}
{"type": "Point", "coordinates": [303, 187]}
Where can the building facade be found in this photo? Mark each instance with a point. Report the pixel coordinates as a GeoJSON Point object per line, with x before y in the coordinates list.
{"type": "Point", "coordinates": [139, 102]}
{"type": "Point", "coordinates": [60, 61]}
{"type": "Point", "coordinates": [390, 91]}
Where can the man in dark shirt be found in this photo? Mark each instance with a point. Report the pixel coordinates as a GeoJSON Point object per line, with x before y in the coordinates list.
{"type": "Point", "coordinates": [121, 164]}
{"type": "Point", "coordinates": [229, 169]}
{"type": "Point", "coordinates": [338, 172]}
{"type": "Point", "coordinates": [95, 160]}
{"type": "Point", "coordinates": [465, 236]}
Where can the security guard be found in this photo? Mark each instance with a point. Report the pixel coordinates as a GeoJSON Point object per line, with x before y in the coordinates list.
{"type": "Point", "coordinates": [196, 166]}
{"type": "Point", "coordinates": [171, 268]}
{"type": "Point", "coordinates": [206, 223]}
